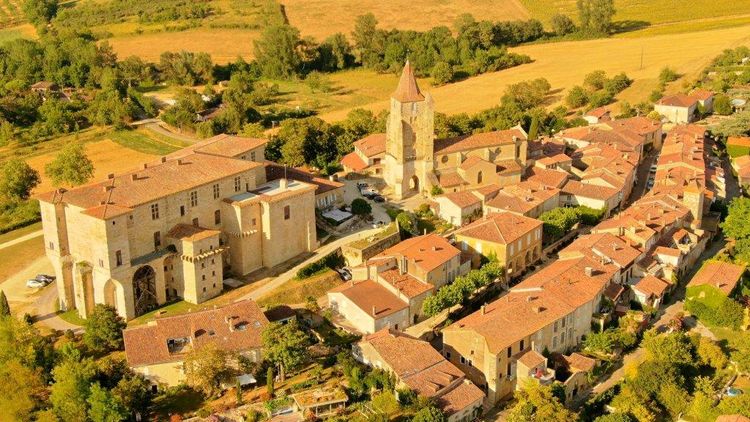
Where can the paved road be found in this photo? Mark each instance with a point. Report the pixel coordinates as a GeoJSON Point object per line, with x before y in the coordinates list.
{"type": "Point", "coordinates": [156, 127]}
{"type": "Point", "coordinates": [21, 239]}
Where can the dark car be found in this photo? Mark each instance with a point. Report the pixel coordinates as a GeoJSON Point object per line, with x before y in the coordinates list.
{"type": "Point", "coordinates": [45, 278]}
{"type": "Point", "coordinates": [345, 274]}
{"type": "Point", "coordinates": [378, 198]}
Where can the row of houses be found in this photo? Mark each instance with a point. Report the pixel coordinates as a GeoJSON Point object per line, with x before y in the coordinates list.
{"type": "Point", "coordinates": [634, 255]}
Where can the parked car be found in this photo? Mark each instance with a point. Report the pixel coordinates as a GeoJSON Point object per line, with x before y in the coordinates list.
{"type": "Point", "coordinates": [45, 278]}
{"type": "Point", "coordinates": [345, 274]}
{"type": "Point", "coordinates": [361, 186]}
{"type": "Point", "coordinates": [377, 224]}
{"type": "Point", "coordinates": [378, 198]}
{"type": "Point", "coordinates": [650, 183]}
{"type": "Point", "coordinates": [35, 284]}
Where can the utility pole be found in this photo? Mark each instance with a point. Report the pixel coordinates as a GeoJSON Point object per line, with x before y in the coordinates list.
{"type": "Point", "coordinates": [641, 57]}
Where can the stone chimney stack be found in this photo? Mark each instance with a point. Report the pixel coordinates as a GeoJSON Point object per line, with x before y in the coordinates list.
{"type": "Point", "coordinates": [283, 183]}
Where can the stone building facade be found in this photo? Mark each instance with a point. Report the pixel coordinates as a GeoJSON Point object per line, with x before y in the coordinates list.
{"type": "Point", "coordinates": [172, 229]}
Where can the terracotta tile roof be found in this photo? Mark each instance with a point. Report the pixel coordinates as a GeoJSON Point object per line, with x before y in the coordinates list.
{"type": "Point", "coordinates": [407, 90]}
{"type": "Point", "coordinates": [277, 171]}
{"type": "Point", "coordinates": [663, 250]}
{"type": "Point", "coordinates": [151, 183]}
{"type": "Point", "coordinates": [222, 145]}
{"type": "Point", "coordinates": [522, 197]}
{"type": "Point", "coordinates": [742, 141]}
{"type": "Point", "coordinates": [579, 362]}
{"type": "Point", "coordinates": [677, 100]}
{"type": "Point", "coordinates": [732, 418]}
{"type": "Point", "coordinates": [471, 162]}
{"type": "Point", "coordinates": [478, 140]}
{"type": "Point", "coordinates": [614, 291]}
{"type": "Point", "coordinates": [602, 245]}
{"type": "Point", "coordinates": [459, 398]}
{"type": "Point", "coordinates": [424, 369]}
{"type": "Point", "coordinates": [501, 227]}
{"type": "Point", "coordinates": [554, 159]}
{"type": "Point", "coordinates": [405, 283]}
{"type": "Point", "coordinates": [638, 124]}
{"type": "Point", "coordinates": [532, 359]}
{"type": "Point", "coordinates": [191, 232]}
{"type": "Point", "coordinates": [651, 286]}
{"type": "Point", "coordinates": [371, 145]}
{"type": "Point", "coordinates": [353, 161]}
{"type": "Point", "coordinates": [547, 177]}
{"type": "Point", "coordinates": [701, 94]}
{"type": "Point", "coordinates": [450, 179]}
{"type": "Point", "coordinates": [236, 327]}
{"type": "Point", "coordinates": [588, 190]}
{"type": "Point", "coordinates": [427, 252]}
{"type": "Point", "coordinates": [372, 298]}
{"type": "Point", "coordinates": [721, 275]}
{"type": "Point", "coordinates": [462, 199]}
{"type": "Point", "coordinates": [490, 190]}
{"type": "Point", "coordinates": [508, 167]}
{"type": "Point", "coordinates": [597, 112]}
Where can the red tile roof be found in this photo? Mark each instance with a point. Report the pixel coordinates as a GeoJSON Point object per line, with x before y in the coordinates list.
{"type": "Point", "coordinates": [405, 283]}
{"type": "Point", "coordinates": [236, 327]}
{"type": "Point", "coordinates": [722, 275]}
{"type": "Point", "coordinates": [462, 199]}
{"type": "Point", "coordinates": [501, 227]}
{"type": "Point", "coordinates": [478, 140]}
{"type": "Point", "coordinates": [372, 298]}
{"type": "Point", "coordinates": [427, 252]}
{"type": "Point", "coordinates": [547, 177]}
{"type": "Point", "coordinates": [407, 90]}
{"type": "Point", "coordinates": [222, 145]}
{"type": "Point", "coordinates": [651, 286]}
{"type": "Point", "coordinates": [371, 145]}
{"type": "Point", "coordinates": [353, 161]}
{"type": "Point", "coordinates": [701, 94]}
{"type": "Point", "coordinates": [588, 190]}
{"type": "Point", "coordinates": [450, 179]}
{"type": "Point", "coordinates": [277, 171]}
{"type": "Point", "coordinates": [677, 100]}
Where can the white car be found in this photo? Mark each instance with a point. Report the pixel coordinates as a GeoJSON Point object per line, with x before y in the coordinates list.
{"type": "Point", "coordinates": [35, 284]}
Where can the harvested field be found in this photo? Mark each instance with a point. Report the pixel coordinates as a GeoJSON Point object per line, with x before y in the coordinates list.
{"type": "Point", "coordinates": [565, 64]}
{"type": "Point", "coordinates": [321, 18]}
{"type": "Point", "coordinates": [108, 157]}
{"type": "Point", "coordinates": [224, 45]}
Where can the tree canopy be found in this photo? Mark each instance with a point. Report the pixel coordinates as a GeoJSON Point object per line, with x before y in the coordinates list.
{"type": "Point", "coordinates": [71, 166]}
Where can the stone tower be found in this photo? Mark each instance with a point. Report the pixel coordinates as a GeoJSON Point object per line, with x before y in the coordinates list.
{"type": "Point", "coordinates": [410, 137]}
{"type": "Point", "coordinates": [694, 200]}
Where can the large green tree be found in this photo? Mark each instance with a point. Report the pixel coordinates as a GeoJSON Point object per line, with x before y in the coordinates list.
{"type": "Point", "coordinates": [736, 224]}
{"type": "Point", "coordinates": [17, 179]}
{"type": "Point", "coordinates": [207, 367]}
{"type": "Point", "coordinates": [71, 166]}
{"type": "Point", "coordinates": [104, 406]}
{"type": "Point", "coordinates": [596, 15]}
{"type": "Point", "coordinates": [537, 403]}
{"type": "Point", "coordinates": [70, 391]}
{"type": "Point", "coordinates": [104, 329]}
{"type": "Point", "coordinates": [276, 52]}
{"type": "Point", "coordinates": [285, 345]}
{"type": "Point", "coordinates": [4, 306]}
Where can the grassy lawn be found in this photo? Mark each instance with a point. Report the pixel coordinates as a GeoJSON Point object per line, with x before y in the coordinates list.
{"type": "Point", "coordinates": [15, 234]}
{"type": "Point", "coordinates": [175, 308]}
{"type": "Point", "coordinates": [735, 151]}
{"type": "Point", "coordinates": [297, 291]}
{"type": "Point", "coordinates": [142, 141]}
{"type": "Point", "coordinates": [18, 257]}
{"type": "Point", "coordinates": [72, 317]}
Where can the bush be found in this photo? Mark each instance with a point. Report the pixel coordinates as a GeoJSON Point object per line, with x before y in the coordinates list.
{"type": "Point", "coordinates": [667, 75]}
{"type": "Point", "coordinates": [727, 313]}
{"type": "Point", "coordinates": [460, 290]}
{"type": "Point", "coordinates": [332, 261]}
{"type": "Point", "coordinates": [562, 24]}
{"type": "Point", "coordinates": [361, 207]}
{"type": "Point", "coordinates": [442, 73]}
{"type": "Point", "coordinates": [577, 97]}
{"type": "Point", "coordinates": [723, 105]}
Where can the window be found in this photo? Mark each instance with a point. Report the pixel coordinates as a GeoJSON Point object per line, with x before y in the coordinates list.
{"type": "Point", "coordinates": [101, 263]}
{"type": "Point", "coordinates": [253, 221]}
{"type": "Point", "coordinates": [554, 342]}
{"type": "Point", "coordinates": [118, 258]}
{"type": "Point", "coordinates": [448, 355]}
{"type": "Point", "coordinates": [194, 198]}
{"type": "Point", "coordinates": [508, 369]}
{"type": "Point", "coordinates": [555, 326]}
{"type": "Point", "coordinates": [52, 246]}
{"type": "Point", "coordinates": [528, 239]}
{"type": "Point", "coordinates": [195, 222]}
{"type": "Point", "coordinates": [154, 211]}
{"type": "Point", "coordinates": [510, 351]}
{"type": "Point", "coordinates": [287, 212]}
{"type": "Point", "coordinates": [479, 177]}
{"type": "Point", "coordinates": [157, 240]}
{"type": "Point", "coordinates": [521, 344]}
{"type": "Point", "coordinates": [217, 217]}
{"type": "Point", "coordinates": [216, 191]}
{"type": "Point", "coordinates": [462, 360]}
{"type": "Point", "coordinates": [444, 159]}
{"type": "Point", "coordinates": [182, 210]}
{"type": "Point", "coordinates": [562, 337]}
{"type": "Point", "coordinates": [237, 184]}
{"type": "Point", "coordinates": [252, 156]}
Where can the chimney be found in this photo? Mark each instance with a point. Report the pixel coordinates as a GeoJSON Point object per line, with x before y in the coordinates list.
{"type": "Point", "coordinates": [283, 183]}
{"type": "Point", "coordinates": [537, 309]}
{"type": "Point", "coordinates": [374, 310]}
{"type": "Point", "coordinates": [163, 159]}
{"type": "Point", "coordinates": [483, 309]}
{"type": "Point", "coordinates": [111, 176]}
{"type": "Point", "coordinates": [589, 271]}
{"type": "Point", "coordinates": [179, 161]}
{"type": "Point", "coordinates": [145, 166]}
{"type": "Point", "coordinates": [134, 177]}
{"type": "Point", "coordinates": [530, 298]}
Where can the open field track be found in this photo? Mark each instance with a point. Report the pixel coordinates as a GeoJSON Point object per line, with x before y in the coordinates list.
{"type": "Point", "coordinates": [565, 64]}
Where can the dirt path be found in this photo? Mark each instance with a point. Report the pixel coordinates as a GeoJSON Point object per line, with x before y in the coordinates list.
{"type": "Point", "coordinates": [21, 239]}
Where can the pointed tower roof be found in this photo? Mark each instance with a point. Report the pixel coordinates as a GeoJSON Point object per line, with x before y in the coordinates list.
{"type": "Point", "coordinates": [407, 90]}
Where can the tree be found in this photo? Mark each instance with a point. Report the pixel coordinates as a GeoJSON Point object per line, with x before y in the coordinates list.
{"type": "Point", "coordinates": [735, 225]}
{"type": "Point", "coordinates": [71, 166]}
{"type": "Point", "coordinates": [723, 105]}
{"type": "Point", "coordinates": [595, 80]}
{"type": "Point", "coordinates": [17, 179]}
{"type": "Point", "coordinates": [537, 403]}
{"type": "Point", "coordinates": [441, 73]}
{"type": "Point", "coordinates": [667, 74]}
{"type": "Point", "coordinates": [361, 207]}
{"type": "Point", "coordinates": [69, 394]}
{"type": "Point", "coordinates": [368, 40]}
{"type": "Point", "coordinates": [133, 392]}
{"type": "Point", "coordinates": [39, 12]}
{"type": "Point", "coordinates": [285, 346]}
{"type": "Point", "coordinates": [207, 367]}
{"type": "Point", "coordinates": [596, 15]}
{"type": "Point", "coordinates": [534, 128]}
{"type": "Point", "coordinates": [105, 407]}
{"type": "Point", "coordinates": [4, 307]}
{"type": "Point", "coordinates": [577, 97]}
{"type": "Point", "coordinates": [269, 382]}
{"type": "Point", "coordinates": [23, 391]}
{"type": "Point", "coordinates": [562, 24]}
{"type": "Point", "coordinates": [385, 403]}
{"type": "Point", "coordinates": [405, 222]}
{"type": "Point", "coordinates": [104, 329]}
{"type": "Point", "coordinates": [276, 51]}
{"type": "Point", "coordinates": [306, 141]}
{"type": "Point", "coordinates": [614, 417]}
{"type": "Point", "coordinates": [429, 414]}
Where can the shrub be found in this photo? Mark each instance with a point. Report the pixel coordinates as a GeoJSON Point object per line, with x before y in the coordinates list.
{"type": "Point", "coordinates": [562, 24]}
{"type": "Point", "coordinates": [723, 105]}
{"type": "Point", "coordinates": [332, 261]}
{"type": "Point", "coordinates": [361, 207]}
{"type": "Point", "coordinates": [667, 75]}
{"type": "Point", "coordinates": [442, 73]}
{"type": "Point", "coordinates": [577, 97]}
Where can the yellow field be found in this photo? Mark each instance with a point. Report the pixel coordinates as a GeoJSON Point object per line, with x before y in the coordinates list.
{"type": "Point", "coordinates": [565, 64]}
{"type": "Point", "coordinates": [320, 18]}
{"type": "Point", "coordinates": [107, 156]}
{"type": "Point", "coordinates": [224, 45]}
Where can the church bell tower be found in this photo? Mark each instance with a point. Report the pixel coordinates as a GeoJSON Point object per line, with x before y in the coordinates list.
{"type": "Point", "coordinates": [410, 137]}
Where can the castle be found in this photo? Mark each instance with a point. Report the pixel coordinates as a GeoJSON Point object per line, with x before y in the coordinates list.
{"type": "Point", "coordinates": [410, 159]}
{"type": "Point", "coordinates": [173, 228]}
